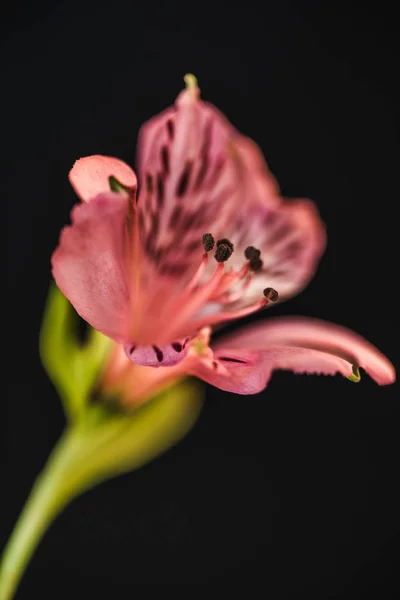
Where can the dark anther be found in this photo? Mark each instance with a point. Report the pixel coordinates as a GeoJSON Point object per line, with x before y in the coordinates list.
{"type": "Point", "coordinates": [271, 294]}
{"type": "Point", "coordinates": [251, 252]}
{"type": "Point", "coordinates": [208, 242]}
{"type": "Point", "coordinates": [226, 242]}
{"type": "Point", "coordinates": [255, 264]}
{"type": "Point", "coordinates": [223, 252]}
{"type": "Point", "coordinates": [183, 182]}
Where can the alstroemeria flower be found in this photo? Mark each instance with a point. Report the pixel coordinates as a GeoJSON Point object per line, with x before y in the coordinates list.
{"type": "Point", "coordinates": [209, 240]}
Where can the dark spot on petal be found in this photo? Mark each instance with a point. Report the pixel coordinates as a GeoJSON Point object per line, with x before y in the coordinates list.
{"type": "Point", "coordinates": [177, 346]}
{"type": "Point", "coordinates": [175, 216]}
{"type": "Point", "coordinates": [170, 128]}
{"type": "Point", "coordinates": [149, 183]}
{"type": "Point", "coordinates": [165, 159]}
{"type": "Point", "coordinates": [155, 224]}
{"type": "Point", "coordinates": [234, 360]}
{"type": "Point", "coordinates": [282, 231]}
{"type": "Point", "coordinates": [141, 220]}
{"type": "Point", "coordinates": [185, 342]}
{"type": "Point", "coordinates": [293, 249]}
{"type": "Point", "coordinates": [188, 220]}
{"type": "Point", "coordinates": [160, 190]}
{"type": "Point", "coordinates": [183, 182]}
{"type": "Point", "coordinates": [159, 354]}
{"type": "Point", "coordinates": [132, 349]}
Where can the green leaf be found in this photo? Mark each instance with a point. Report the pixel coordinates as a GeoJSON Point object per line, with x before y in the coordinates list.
{"type": "Point", "coordinates": [72, 367]}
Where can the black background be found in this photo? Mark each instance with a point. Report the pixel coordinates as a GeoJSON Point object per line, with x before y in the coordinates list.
{"type": "Point", "coordinates": [291, 493]}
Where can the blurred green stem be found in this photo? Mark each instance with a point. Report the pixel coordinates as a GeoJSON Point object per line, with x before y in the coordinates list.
{"type": "Point", "coordinates": [101, 444]}
{"type": "Point", "coordinates": [48, 497]}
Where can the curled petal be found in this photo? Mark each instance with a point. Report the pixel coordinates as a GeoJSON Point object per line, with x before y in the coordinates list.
{"type": "Point", "coordinates": [89, 264]}
{"type": "Point", "coordinates": [245, 361]}
{"type": "Point", "coordinates": [90, 175]}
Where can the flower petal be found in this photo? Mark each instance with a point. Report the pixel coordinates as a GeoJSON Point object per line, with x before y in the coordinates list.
{"type": "Point", "coordinates": [245, 361]}
{"type": "Point", "coordinates": [89, 264]}
{"type": "Point", "coordinates": [89, 176]}
{"type": "Point", "coordinates": [192, 181]}
{"type": "Point", "coordinates": [289, 233]}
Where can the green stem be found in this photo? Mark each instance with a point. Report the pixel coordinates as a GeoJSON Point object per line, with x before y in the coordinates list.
{"type": "Point", "coordinates": [101, 444]}
{"type": "Point", "coordinates": [47, 498]}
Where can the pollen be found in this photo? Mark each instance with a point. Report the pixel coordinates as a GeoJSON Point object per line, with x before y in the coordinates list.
{"type": "Point", "coordinates": [223, 252]}
{"type": "Point", "coordinates": [208, 242]}
{"type": "Point", "coordinates": [226, 242]}
{"type": "Point", "coordinates": [252, 253]}
{"type": "Point", "coordinates": [270, 294]}
{"type": "Point", "coordinates": [255, 264]}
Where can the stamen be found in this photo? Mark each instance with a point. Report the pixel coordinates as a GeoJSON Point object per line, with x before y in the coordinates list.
{"type": "Point", "coordinates": [198, 275]}
{"type": "Point", "coordinates": [208, 242]}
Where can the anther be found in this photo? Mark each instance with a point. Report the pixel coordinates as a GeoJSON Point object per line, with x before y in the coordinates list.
{"type": "Point", "coordinates": [208, 242]}
{"type": "Point", "coordinates": [255, 264]}
{"type": "Point", "coordinates": [270, 294]}
{"type": "Point", "coordinates": [226, 242]}
{"type": "Point", "coordinates": [252, 253]}
{"type": "Point", "coordinates": [223, 252]}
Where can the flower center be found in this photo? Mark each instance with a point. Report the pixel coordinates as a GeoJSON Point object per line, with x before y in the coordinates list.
{"type": "Point", "coordinates": [209, 298]}
{"type": "Point", "coordinates": [221, 296]}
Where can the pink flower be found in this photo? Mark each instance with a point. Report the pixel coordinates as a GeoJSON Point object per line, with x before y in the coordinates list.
{"type": "Point", "coordinates": [209, 240]}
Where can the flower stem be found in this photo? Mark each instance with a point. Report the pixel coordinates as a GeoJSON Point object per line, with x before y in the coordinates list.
{"type": "Point", "coordinates": [48, 497]}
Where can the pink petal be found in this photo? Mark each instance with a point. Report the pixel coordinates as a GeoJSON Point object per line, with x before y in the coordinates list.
{"type": "Point", "coordinates": [193, 181]}
{"type": "Point", "coordinates": [89, 265]}
{"type": "Point", "coordinates": [291, 238]}
{"type": "Point", "coordinates": [246, 360]}
{"type": "Point", "coordinates": [89, 175]}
